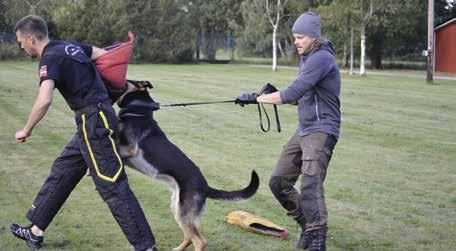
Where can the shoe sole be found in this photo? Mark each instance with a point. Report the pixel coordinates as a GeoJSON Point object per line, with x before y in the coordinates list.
{"type": "Point", "coordinates": [33, 246]}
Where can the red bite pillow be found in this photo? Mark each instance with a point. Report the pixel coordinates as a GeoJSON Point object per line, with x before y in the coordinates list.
{"type": "Point", "coordinates": [112, 65]}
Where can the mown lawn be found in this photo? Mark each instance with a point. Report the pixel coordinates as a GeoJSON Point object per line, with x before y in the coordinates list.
{"type": "Point", "coordinates": [391, 183]}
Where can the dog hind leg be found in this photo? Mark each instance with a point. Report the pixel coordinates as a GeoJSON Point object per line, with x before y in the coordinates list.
{"type": "Point", "coordinates": [198, 241]}
{"type": "Point", "coordinates": [187, 238]}
{"type": "Point", "coordinates": [193, 219]}
{"type": "Point", "coordinates": [176, 210]}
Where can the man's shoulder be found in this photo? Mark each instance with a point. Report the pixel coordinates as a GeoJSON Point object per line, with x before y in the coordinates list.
{"type": "Point", "coordinates": [65, 49]}
{"type": "Point", "coordinates": [51, 58]}
{"type": "Point", "coordinates": [61, 48]}
{"type": "Point", "coordinates": [55, 48]}
{"type": "Point", "coordinates": [322, 54]}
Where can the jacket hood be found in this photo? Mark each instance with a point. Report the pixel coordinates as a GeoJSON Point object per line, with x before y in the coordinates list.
{"type": "Point", "coordinates": [328, 46]}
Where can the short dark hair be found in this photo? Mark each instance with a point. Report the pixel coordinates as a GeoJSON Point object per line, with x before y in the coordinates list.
{"type": "Point", "coordinates": [32, 25]}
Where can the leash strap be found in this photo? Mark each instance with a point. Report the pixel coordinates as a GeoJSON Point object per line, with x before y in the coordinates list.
{"type": "Point", "coordinates": [279, 127]}
{"type": "Point", "coordinates": [198, 103]}
{"type": "Point", "coordinates": [261, 110]}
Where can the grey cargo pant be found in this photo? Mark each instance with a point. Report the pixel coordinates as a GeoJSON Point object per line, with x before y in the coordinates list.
{"type": "Point", "coordinates": [308, 156]}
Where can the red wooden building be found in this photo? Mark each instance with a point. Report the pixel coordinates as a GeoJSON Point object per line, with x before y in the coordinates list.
{"type": "Point", "coordinates": [445, 47]}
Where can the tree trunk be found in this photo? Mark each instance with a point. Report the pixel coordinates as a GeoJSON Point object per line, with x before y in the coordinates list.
{"type": "Point", "coordinates": [282, 53]}
{"type": "Point", "coordinates": [430, 49]}
{"type": "Point", "coordinates": [197, 47]}
{"type": "Point", "coordinates": [274, 48]}
{"type": "Point", "coordinates": [346, 42]}
{"type": "Point", "coordinates": [211, 52]}
{"type": "Point", "coordinates": [351, 51]}
{"type": "Point", "coordinates": [210, 47]}
{"type": "Point", "coordinates": [376, 60]}
{"type": "Point", "coordinates": [345, 56]}
{"type": "Point", "coordinates": [362, 69]}
{"type": "Point", "coordinates": [376, 42]}
{"type": "Point", "coordinates": [203, 40]}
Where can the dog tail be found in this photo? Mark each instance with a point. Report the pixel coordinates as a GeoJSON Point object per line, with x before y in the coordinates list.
{"type": "Point", "coordinates": [235, 195]}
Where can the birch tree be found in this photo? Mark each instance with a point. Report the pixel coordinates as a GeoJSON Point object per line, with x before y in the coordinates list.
{"type": "Point", "coordinates": [274, 13]}
{"type": "Point", "coordinates": [365, 17]}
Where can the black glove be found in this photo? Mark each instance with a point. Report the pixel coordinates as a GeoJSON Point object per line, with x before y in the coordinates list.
{"type": "Point", "coordinates": [268, 89]}
{"type": "Point", "coordinates": [246, 98]}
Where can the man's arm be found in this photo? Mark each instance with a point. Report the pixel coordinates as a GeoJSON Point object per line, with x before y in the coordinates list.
{"type": "Point", "coordinates": [97, 52]}
{"type": "Point", "coordinates": [41, 106]}
{"type": "Point", "coordinates": [314, 69]}
{"type": "Point", "coordinates": [273, 98]}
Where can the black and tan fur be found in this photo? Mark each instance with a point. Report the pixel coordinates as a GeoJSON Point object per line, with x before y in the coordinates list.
{"type": "Point", "coordinates": [146, 149]}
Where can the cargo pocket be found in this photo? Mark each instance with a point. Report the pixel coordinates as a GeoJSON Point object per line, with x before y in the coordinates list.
{"type": "Point", "coordinates": [311, 161]}
{"type": "Point", "coordinates": [101, 147]}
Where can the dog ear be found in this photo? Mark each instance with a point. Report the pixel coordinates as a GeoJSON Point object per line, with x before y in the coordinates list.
{"type": "Point", "coordinates": [144, 84]}
{"type": "Point", "coordinates": [148, 84]}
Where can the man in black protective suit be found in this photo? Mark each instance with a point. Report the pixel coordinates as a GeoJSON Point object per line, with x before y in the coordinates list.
{"type": "Point", "coordinates": [68, 67]}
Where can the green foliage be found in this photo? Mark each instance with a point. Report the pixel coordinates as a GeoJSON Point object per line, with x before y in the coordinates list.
{"type": "Point", "coordinates": [160, 26]}
{"type": "Point", "coordinates": [444, 11]}
{"type": "Point", "coordinates": [255, 35]}
{"type": "Point", "coordinates": [396, 28]}
{"type": "Point", "coordinates": [168, 28]}
{"type": "Point", "coordinates": [254, 38]}
{"type": "Point", "coordinates": [214, 20]}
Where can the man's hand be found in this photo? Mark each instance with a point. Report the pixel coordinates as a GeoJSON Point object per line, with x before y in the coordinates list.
{"type": "Point", "coordinates": [97, 52]}
{"type": "Point", "coordinates": [21, 135]}
{"type": "Point", "coordinates": [246, 98]}
{"type": "Point", "coordinates": [268, 89]}
{"type": "Point", "coordinates": [41, 106]}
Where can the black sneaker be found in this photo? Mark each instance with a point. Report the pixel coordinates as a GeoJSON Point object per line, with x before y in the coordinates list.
{"type": "Point", "coordinates": [26, 234]}
{"type": "Point", "coordinates": [304, 241]}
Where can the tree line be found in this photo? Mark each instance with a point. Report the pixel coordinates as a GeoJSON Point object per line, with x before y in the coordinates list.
{"type": "Point", "coordinates": [171, 30]}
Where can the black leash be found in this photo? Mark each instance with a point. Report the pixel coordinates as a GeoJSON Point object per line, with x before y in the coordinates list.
{"type": "Point", "coordinates": [261, 110]}
{"type": "Point", "coordinates": [198, 103]}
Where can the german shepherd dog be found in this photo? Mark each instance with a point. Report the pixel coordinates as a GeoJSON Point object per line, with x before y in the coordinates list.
{"type": "Point", "coordinates": [145, 148]}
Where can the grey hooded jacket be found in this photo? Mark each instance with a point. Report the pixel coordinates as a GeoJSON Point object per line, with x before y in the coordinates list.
{"type": "Point", "coordinates": [317, 90]}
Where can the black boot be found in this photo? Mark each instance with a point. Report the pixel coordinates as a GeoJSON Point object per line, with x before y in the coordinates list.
{"type": "Point", "coordinates": [304, 238]}
{"type": "Point", "coordinates": [317, 242]}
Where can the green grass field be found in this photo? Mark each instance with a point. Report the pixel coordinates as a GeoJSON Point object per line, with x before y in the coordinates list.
{"type": "Point", "coordinates": [391, 183]}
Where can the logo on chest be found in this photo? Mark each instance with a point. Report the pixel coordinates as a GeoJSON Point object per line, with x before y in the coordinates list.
{"type": "Point", "coordinates": [72, 50]}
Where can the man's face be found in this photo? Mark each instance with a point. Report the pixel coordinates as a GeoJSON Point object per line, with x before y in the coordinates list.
{"type": "Point", "coordinates": [27, 43]}
{"type": "Point", "coordinates": [302, 42]}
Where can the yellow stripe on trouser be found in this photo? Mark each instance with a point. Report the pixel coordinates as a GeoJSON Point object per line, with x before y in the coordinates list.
{"type": "Point", "coordinates": [105, 122]}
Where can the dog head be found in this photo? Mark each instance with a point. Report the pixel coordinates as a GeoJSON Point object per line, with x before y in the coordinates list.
{"type": "Point", "coordinates": [137, 95]}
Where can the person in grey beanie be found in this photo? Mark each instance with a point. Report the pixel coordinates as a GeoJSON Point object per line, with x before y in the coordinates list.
{"type": "Point", "coordinates": [308, 152]}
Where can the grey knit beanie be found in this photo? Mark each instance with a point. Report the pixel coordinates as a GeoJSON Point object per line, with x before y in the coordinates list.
{"type": "Point", "coordinates": [308, 24]}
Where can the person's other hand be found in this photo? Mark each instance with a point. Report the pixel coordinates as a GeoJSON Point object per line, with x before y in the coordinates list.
{"type": "Point", "coordinates": [21, 135]}
{"type": "Point", "coordinates": [246, 98]}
